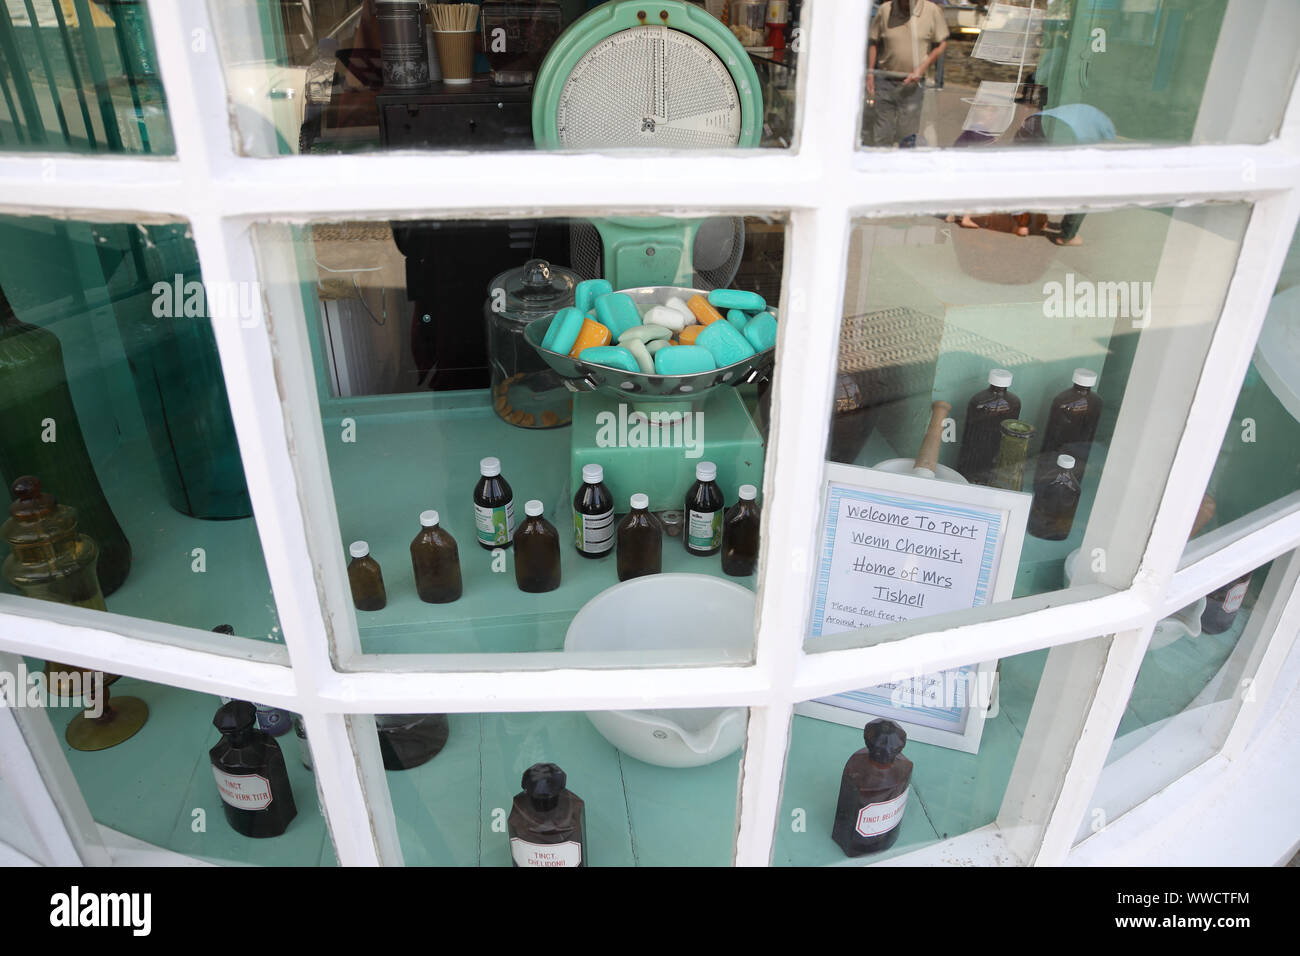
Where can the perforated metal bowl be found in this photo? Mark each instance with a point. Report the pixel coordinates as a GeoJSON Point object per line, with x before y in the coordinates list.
{"type": "Point", "coordinates": [631, 386]}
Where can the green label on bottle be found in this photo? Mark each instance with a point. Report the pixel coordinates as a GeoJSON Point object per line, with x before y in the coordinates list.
{"type": "Point", "coordinates": [495, 526]}
{"type": "Point", "coordinates": [703, 530]}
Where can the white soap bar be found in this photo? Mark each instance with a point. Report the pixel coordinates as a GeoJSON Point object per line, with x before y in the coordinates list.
{"type": "Point", "coordinates": [665, 317]}
{"type": "Point", "coordinates": [678, 304]}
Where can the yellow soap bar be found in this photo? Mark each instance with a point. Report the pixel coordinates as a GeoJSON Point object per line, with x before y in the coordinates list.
{"type": "Point", "coordinates": [687, 335]}
{"type": "Point", "coordinates": [703, 312]}
{"type": "Point", "coordinates": [592, 335]}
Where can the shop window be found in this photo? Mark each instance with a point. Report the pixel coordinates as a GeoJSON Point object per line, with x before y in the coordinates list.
{"type": "Point", "coordinates": [358, 75]}
{"type": "Point", "coordinates": [116, 423]}
{"type": "Point", "coordinates": [1075, 72]}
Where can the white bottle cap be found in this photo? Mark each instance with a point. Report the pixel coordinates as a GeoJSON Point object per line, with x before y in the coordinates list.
{"type": "Point", "coordinates": [1000, 377]}
{"type": "Point", "coordinates": [1065, 461]}
{"type": "Point", "coordinates": [429, 519]}
{"type": "Point", "coordinates": [489, 467]}
{"type": "Point", "coordinates": [1085, 377]}
{"type": "Point", "coordinates": [533, 508]}
{"type": "Point", "coordinates": [748, 492]}
{"type": "Point", "coordinates": [593, 474]}
{"type": "Point", "coordinates": [706, 471]}
{"type": "Point", "coordinates": [358, 549]}
{"type": "Point", "coordinates": [640, 502]}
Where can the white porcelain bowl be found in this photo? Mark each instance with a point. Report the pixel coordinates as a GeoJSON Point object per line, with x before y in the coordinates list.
{"type": "Point", "coordinates": [904, 466]}
{"type": "Point", "coordinates": [666, 612]}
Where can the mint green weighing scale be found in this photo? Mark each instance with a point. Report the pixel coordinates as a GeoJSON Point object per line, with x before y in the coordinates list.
{"type": "Point", "coordinates": [663, 75]}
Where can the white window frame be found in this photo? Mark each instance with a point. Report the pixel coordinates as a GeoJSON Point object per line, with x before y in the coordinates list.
{"type": "Point", "coordinates": [821, 186]}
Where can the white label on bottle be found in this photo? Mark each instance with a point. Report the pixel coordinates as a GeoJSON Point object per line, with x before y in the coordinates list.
{"type": "Point", "coordinates": [495, 526]}
{"type": "Point", "coordinates": [703, 530]}
{"type": "Point", "coordinates": [594, 533]}
{"type": "Point", "coordinates": [877, 818]}
{"type": "Point", "coordinates": [545, 854]}
{"type": "Point", "coordinates": [1235, 597]}
{"type": "Point", "coordinates": [245, 791]}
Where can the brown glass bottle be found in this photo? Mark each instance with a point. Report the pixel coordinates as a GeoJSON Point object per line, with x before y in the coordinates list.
{"type": "Point", "coordinates": [1056, 496]}
{"type": "Point", "coordinates": [593, 514]}
{"type": "Point", "coordinates": [1222, 605]}
{"type": "Point", "coordinates": [365, 579]}
{"type": "Point", "coordinates": [50, 559]}
{"type": "Point", "coordinates": [410, 740]}
{"type": "Point", "coordinates": [640, 541]}
{"type": "Point", "coordinates": [250, 773]}
{"type": "Point", "coordinates": [873, 791]}
{"type": "Point", "coordinates": [435, 559]}
{"type": "Point", "coordinates": [704, 509]}
{"type": "Point", "coordinates": [1072, 421]}
{"type": "Point", "coordinates": [537, 552]}
{"type": "Point", "coordinates": [494, 507]}
{"type": "Point", "coordinates": [982, 434]}
{"type": "Point", "coordinates": [548, 822]}
{"type": "Point", "coordinates": [740, 535]}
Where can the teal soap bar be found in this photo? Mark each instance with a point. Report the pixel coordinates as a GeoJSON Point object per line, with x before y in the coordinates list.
{"type": "Point", "coordinates": [642, 355]}
{"type": "Point", "coordinates": [722, 299]}
{"type": "Point", "coordinates": [611, 356]}
{"type": "Point", "coordinates": [618, 313]}
{"type": "Point", "coordinates": [738, 319]}
{"type": "Point", "coordinates": [563, 330]}
{"type": "Point", "coordinates": [588, 291]}
{"type": "Point", "coordinates": [761, 331]}
{"type": "Point", "coordinates": [684, 360]}
{"type": "Point", "coordinates": [726, 345]}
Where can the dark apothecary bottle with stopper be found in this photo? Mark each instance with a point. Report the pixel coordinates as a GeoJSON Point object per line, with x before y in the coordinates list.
{"type": "Point", "coordinates": [537, 551]}
{"type": "Point", "coordinates": [494, 507]}
{"type": "Point", "coordinates": [873, 791]}
{"type": "Point", "coordinates": [250, 774]}
{"type": "Point", "coordinates": [435, 559]}
{"type": "Point", "coordinates": [593, 514]}
{"type": "Point", "coordinates": [704, 508]}
{"type": "Point", "coordinates": [740, 534]}
{"type": "Point", "coordinates": [1222, 605]}
{"type": "Point", "coordinates": [640, 541]}
{"type": "Point", "coordinates": [365, 579]}
{"type": "Point", "coordinates": [1056, 496]}
{"type": "Point", "coordinates": [547, 823]}
{"type": "Point", "coordinates": [1072, 421]}
{"type": "Point", "coordinates": [982, 434]}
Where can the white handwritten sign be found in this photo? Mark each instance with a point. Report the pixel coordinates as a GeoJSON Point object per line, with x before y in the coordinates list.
{"type": "Point", "coordinates": [897, 547]}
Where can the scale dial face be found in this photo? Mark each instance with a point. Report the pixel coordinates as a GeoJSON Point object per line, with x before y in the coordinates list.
{"type": "Point", "coordinates": [651, 87]}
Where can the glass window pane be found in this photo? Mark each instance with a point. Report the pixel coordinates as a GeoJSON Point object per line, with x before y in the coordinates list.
{"type": "Point", "coordinates": [653, 788]}
{"type": "Point", "coordinates": [1027, 367]}
{"type": "Point", "coordinates": [143, 755]}
{"type": "Point", "coordinates": [1076, 72]}
{"type": "Point", "coordinates": [433, 368]}
{"type": "Point", "coordinates": [355, 75]}
{"type": "Point", "coordinates": [80, 76]}
{"type": "Point", "coordinates": [114, 400]}
{"type": "Point", "coordinates": [1197, 671]}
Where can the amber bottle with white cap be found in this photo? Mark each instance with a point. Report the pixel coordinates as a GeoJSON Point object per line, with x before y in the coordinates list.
{"type": "Point", "coordinates": [435, 559]}
{"type": "Point", "coordinates": [704, 506]}
{"type": "Point", "coordinates": [740, 535]}
{"type": "Point", "coordinates": [494, 507]}
{"type": "Point", "coordinates": [365, 579]}
{"type": "Point", "coordinates": [1072, 421]}
{"type": "Point", "coordinates": [1056, 496]}
{"type": "Point", "coordinates": [537, 551]}
{"type": "Point", "coordinates": [981, 435]}
{"type": "Point", "coordinates": [640, 541]}
{"type": "Point", "coordinates": [593, 514]}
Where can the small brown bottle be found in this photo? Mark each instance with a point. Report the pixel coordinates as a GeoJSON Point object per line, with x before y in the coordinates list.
{"type": "Point", "coordinates": [740, 535]}
{"type": "Point", "coordinates": [537, 552]}
{"type": "Point", "coordinates": [640, 541]}
{"type": "Point", "coordinates": [1072, 421]}
{"type": "Point", "coordinates": [548, 822]}
{"type": "Point", "coordinates": [704, 507]}
{"type": "Point", "coordinates": [873, 791]}
{"type": "Point", "coordinates": [365, 579]}
{"type": "Point", "coordinates": [593, 514]}
{"type": "Point", "coordinates": [435, 559]}
{"type": "Point", "coordinates": [1056, 496]}
{"type": "Point", "coordinates": [1222, 605]}
{"type": "Point", "coordinates": [982, 435]}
